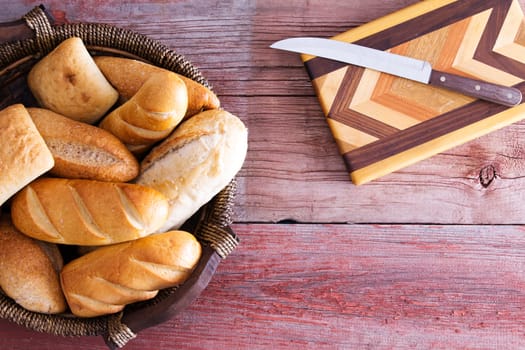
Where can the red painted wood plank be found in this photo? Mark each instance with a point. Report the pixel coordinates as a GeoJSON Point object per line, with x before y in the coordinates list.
{"type": "Point", "coordinates": [347, 286]}
{"type": "Point", "coordinates": [329, 286]}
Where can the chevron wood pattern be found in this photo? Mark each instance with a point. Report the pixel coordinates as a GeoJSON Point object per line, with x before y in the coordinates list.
{"type": "Point", "coordinates": [382, 123]}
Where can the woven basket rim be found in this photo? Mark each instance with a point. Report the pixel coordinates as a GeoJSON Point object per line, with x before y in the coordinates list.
{"type": "Point", "coordinates": [105, 38]}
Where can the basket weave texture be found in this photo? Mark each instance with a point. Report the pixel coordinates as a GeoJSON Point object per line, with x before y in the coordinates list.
{"type": "Point", "coordinates": [212, 227]}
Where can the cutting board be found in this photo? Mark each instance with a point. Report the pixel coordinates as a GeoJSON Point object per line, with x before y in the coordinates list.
{"type": "Point", "coordinates": [383, 123]}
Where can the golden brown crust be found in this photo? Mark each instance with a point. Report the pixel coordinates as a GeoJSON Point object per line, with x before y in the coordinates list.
{"type": "Point", "coordinates": [68, 81]}
{"type": "Point", "coordinates": [23, 153]}
{"type": "Point", "coordinates": [127, 76]}
{"type": "Point", "coordinates": [107, 279]}
{"type": "Point", "coordinates": [152, 113]}
{"type": "Point", "coordinates": [84, 151]}
{"type": "Point", "coordinates": [29, 271]}
{"type": "Point", "coordinates": [195, 162]}
{"type": "Point", "coordinates": [86, 212]}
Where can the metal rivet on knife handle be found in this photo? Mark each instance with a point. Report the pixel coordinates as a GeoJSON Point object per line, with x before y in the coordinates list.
{"type": "Point", "coordinates": [504, 95]}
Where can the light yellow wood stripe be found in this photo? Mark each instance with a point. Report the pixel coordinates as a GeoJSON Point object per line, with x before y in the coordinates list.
{"type": "Point", "coordinates": [327, 87]}
{"type": "Point", "coordinates": [394, 101]}
{"type": "Point", "coordinates": [366, 88]}
{"type": "Point", "coordinates": [388, 21]}
{"type": "Point", "coordinates": [507, 44]}
{"type": "Point", "coordinates": [465, 61]}
{"type": "Point", "coordinates": [348, 138]}
{"type": "Point", "coordinates": [437, 145]}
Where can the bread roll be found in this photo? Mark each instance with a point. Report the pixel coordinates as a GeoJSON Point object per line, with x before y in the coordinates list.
{"type": "Point", "coordinates": [152, 113]}
{"type": "Point", "coordinates": [23, 153]}
{"type": "Point", "coordinates": [83, 151]}
{"type": "Point", "coordinates": [197, 161]}
{"type": "Point", "coordinates": [68, 81]}
{"type": "Point", "coordinates": [105, 280]}
{"type": "Point", "coordinates": [29, 271]}
{"type": "Point", "coordinates": [86, 212]}
{"type": "Point", "coordinates": [128, 75]}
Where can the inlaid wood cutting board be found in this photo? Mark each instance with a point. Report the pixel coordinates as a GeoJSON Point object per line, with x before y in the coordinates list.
{"type": "Point", "coordinates": [383, 123]}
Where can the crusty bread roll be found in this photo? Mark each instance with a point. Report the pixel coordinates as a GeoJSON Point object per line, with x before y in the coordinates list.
{"type": "Point", "coordinates": [83, 151]}
{"type": "Point", "coordinates": [29, 270]}
{"type": "Point", "coordinates": [105, 280]}
{"type": "Point", "coordinates": [23, 153]}
{"type": "Point", "coordinates": [86, 212]}
{"type": "Point", "coordinates": [195, 162]}
{"type": "Point", "coordinates": [151, 114]}
{"type": "Point", "coordinates": [68, 81]}
{"type": "Point", "coordinates": [128, 75]}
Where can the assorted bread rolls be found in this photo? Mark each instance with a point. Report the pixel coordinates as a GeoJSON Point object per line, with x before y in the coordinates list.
{"type": "Point", "coordinates": [68, 81]}
{"type": "Point", "coordinates": [195, 162]}
{"type": "Point", "coordinates": [119, 189]}
{"type": "Point", "coordinates": [107, 279]}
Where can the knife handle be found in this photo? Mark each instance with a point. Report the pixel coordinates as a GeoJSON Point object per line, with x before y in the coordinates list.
{"type": "Point", "coordinates": [507, 96]}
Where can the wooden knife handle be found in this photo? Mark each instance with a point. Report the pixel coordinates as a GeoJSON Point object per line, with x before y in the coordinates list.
{"type": "Point", "coordinates": [507, 96]}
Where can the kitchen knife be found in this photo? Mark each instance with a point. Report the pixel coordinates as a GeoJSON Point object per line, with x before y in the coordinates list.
{"type": "Point", "coordinates": [401, 66]}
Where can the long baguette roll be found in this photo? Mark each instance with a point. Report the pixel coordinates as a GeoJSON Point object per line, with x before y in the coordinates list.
{"type": "Point", "coordinates": [105, 280]}
{"type": "Point", "coordinates": [151, 114]}
{"type": "Point", "coordinates": [86, 212]}
{"type": "Point", "coordinates": [195, 162]}
{"type": "Point", "coordinates": [127, 76]}
{"type": "Point", "coordinates": [83, 151]}
{"type": "Point", "coordinates": [29, 270]}
{"type": "Point", "coordinates": [68, 81]}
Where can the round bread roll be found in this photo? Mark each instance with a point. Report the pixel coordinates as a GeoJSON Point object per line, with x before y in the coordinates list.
{"type": "Point", "coordinates": [195, 162]}
{"type": "Point", "coordinates": [29, 271]}
{"type": "Point", "coordinates": [68, 81]}
{"type": "Point", "coordinates": [24, 155]}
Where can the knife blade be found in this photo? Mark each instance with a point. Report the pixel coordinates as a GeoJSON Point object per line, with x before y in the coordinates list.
{"type": "Point", "coordinates": [401, 66]}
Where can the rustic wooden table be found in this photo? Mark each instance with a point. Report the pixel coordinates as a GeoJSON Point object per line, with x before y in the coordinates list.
{"type": "Point", "coordinates": [427, 257]}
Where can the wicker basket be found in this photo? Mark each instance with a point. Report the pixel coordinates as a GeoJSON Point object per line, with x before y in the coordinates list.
{"type": "Point", "coordinates": [210, 225]}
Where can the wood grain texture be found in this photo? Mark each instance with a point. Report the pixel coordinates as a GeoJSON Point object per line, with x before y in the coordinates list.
{"type": "Point", "coordinates": [445, 36]}
{"type": "Point", "coordinates": [293, 158]}
{"type": "Point", "coordinates": [338, 285]}
{"type": "Point", "coordinates": [366, 286]}
{"type": "Point", "coordinates": [499, 94]}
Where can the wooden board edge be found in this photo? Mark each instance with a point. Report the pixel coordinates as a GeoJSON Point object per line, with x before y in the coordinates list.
{"type": "Point", "coordinates": [437, 145]}
{"type": "Point", "coordinates": [387, 21]}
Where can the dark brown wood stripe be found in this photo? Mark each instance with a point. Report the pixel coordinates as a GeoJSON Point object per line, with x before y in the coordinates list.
{"type": "Point", "coordinates": [422, 133]}
{"type": "Point", "coordinates": [429, 22]}
{"type": "Point", "coordinates": [405, 31]}
{"type": "Point", "coordinates": [322, 66]}
{"type": "Point", "coordinates": [490, 35]}
{"type": "Point", "coordinates": [365, 124]}
{"type": "Point", "coordinates": [341, 113]}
